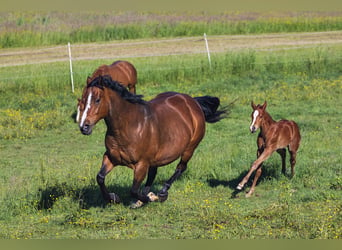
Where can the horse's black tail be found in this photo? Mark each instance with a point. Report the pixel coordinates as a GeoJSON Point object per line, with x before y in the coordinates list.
{"type": "Point", "coordinates": [209, 105]}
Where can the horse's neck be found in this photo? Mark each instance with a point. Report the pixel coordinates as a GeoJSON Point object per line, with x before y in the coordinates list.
{"type": "Point", "coordinates": [121, 112]}
{"type": "Point", "coordinates": [266, 122]}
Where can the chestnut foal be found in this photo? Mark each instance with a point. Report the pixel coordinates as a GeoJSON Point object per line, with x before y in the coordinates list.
{"type": "Point", "coordinates": [273, 136]}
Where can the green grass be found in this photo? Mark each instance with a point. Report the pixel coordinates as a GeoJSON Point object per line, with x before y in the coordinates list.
{"type": "Point", "coordinates": [26, 29]}
{"type": "Point", "coordinates": [48, 168]}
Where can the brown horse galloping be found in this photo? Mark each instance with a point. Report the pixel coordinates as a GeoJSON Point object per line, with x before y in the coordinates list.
{"type": "Point", "coordinates": [273, 136]}
{"type": "Point", "coordinates": [122, 72]}
{"type": "Point", "coordinates": [145, 135]}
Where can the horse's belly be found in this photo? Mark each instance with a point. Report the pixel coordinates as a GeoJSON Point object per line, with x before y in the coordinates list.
{"type": "Point", "coordinates": [168, 153]}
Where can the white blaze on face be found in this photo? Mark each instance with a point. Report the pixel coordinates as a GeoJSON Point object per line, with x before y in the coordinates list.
{"type": "Point", "coordinates": [85, 112]}
{"type": "Point", "coordinates": [255, 115]}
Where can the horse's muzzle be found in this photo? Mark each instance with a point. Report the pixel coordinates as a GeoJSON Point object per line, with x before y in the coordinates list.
{"type": "Point", "coordinates": [253, 129]}
{"type": "Point", "coordinates": [86, 129]}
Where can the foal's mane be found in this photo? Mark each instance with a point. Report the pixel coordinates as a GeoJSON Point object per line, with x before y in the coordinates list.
{"type": "Point", "coordinates": [106, 81]}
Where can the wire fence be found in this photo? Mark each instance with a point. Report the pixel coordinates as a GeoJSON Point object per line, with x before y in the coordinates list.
{"type": "Point", "coordinates": [161, 48]}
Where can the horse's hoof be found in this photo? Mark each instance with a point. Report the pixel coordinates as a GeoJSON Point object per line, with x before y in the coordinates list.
{"type": "Point", "coordinates": [137, 204]}
{"type": "Point", "coordinates": [152, 196]}
{"type": "Point", "coordinates": [248, 195]}
{"type": "Point", "coordinates": [114, 198]}
{"type": "Point", "coordinates": [163, 196]}
{"type": "Point", "coordinates": [239, 187]}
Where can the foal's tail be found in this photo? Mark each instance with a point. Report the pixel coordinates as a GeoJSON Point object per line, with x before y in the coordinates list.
{"type": "Point", "coordinates": [209, 105]}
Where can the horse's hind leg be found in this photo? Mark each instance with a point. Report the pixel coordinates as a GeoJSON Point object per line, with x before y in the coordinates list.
{"type": "Point", "coordinates": [181, 167]}
{"type": "Point", "coordinates": [163, 194]}
{"type": "Point", "coordinates": [293, 148]}
{"type": "Point", "coordinates": [293, 155]}
{"type": "Point", "coordinates": [282, 153]}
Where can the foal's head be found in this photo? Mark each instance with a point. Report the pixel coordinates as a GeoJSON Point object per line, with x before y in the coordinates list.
{"type": "Point", "coordinates": [257, 116]}
{"type": "Point", "coordinates": [91, 108]}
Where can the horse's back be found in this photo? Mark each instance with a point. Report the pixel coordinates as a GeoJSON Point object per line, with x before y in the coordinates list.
{"type": "Point", "coordinates": [123, 72]}
{"type": "Point", "coordinates": [178, 109]}
{"type": "Point", "coordinates": [284, 133]}
{"type": "Point", "coordinates": [120, 71]}
{"type": "Point", "coordinates": [178, 102]}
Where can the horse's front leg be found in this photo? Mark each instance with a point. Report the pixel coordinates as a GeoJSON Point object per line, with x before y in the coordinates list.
{"type": "Point", "coordinates": [107, 166]}
{"type": "Point", "coordinates": [256, 164]}
{"type": "Point", "coordinates": [152, 172]}
{"type": "Point", "coordinates": [140, 171]}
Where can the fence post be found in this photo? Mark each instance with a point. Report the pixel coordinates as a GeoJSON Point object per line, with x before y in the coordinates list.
{"type": "Point", "coordinates": [207, 46]}
{"type": "Point", "coordinates": [71, 73]}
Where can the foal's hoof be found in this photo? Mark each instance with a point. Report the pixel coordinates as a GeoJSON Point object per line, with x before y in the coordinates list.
{"type": "Point", "coordinates": [163, 196]}
{"type": "Point", "coordinates": [114, 198]}
{"type": "Point", "coordinates": [239, 187]}
{"type": "Point", "coordinates": [248, 195]}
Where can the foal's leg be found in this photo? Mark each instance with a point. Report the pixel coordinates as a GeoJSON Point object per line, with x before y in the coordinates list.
{"type": "Point", "coordinates": [107, 166]}
{"type": "Point", "coordinates": [256, 177]}
{"type": "Point", "coordinates": [293, 155]}
{"type": "Point", "coordinates": [282, 153]}
{"type": "Point", "coordinates": [259, 169]}
{"type": "Point", "coordinates": [264, 156]}
{"type": "Point", "coordinates": [293, 148]}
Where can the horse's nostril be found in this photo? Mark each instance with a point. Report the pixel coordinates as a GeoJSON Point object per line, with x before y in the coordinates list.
{"type": "Point", "coordinates": [85, 129]}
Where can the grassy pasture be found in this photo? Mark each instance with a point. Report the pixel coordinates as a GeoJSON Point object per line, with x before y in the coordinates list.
{"type": "Point", "coordinates": [26, 29]}
{"type": "Point", "coordinates": [47, 179]}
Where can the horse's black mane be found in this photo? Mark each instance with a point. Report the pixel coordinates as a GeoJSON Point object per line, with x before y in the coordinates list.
{"type": "Point", "coordinates": [107, 81]}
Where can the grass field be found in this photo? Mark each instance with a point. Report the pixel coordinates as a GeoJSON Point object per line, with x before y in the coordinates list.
{"type": "Point", "coordinates": [22, 29]}
{"type": "Point", "coordinates": [47, 180]}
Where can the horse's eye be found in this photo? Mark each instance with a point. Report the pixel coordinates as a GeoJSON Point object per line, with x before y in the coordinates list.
{"type": "Point", "coordinates": [97, 101]}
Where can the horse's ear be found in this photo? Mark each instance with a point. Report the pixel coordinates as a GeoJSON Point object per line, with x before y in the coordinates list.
{"type": "Point", "coordinates": [253, 105]}
{"type": "Point", "coordinates": [88, 79]}
{"type": "Point", "coordinates": [264, 105]}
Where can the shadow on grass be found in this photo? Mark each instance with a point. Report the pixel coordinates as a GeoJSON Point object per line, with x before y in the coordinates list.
{"type": "Point", "coordinates": [269, 171]}
{"type": "Point", "coordinates": [87, 197]}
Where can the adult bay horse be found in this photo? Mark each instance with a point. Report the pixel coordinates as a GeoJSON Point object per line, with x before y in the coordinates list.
{"type": "Point", "coordinates": [120, 71]}
{"type": "Point", "coordinates": [273, 136]}
{"type": "Point", "coordinates": [145, 135]}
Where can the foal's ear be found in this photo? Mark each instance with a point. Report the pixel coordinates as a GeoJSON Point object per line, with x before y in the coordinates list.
{"type": "Point", "coordinates": [253, 105]}
{"type": "Point", "coordinates": [264, 105]}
